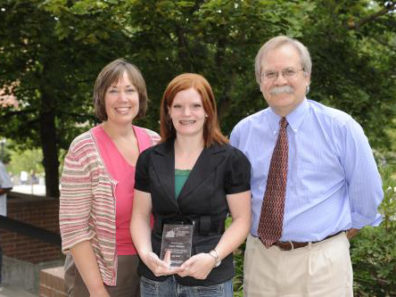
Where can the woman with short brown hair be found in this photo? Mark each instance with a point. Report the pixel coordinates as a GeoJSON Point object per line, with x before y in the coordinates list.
{"type": "Point", "coordinates": [98, 186]}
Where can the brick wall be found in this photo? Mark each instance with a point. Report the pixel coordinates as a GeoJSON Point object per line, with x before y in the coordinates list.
{"type": "Point", "coordinates": [38, 211]}
{"type": "Point", "coordinates": [52, 283]}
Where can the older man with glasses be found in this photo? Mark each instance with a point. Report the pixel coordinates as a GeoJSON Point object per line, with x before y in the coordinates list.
{"type": "Point", "coordinates": [314, 182]}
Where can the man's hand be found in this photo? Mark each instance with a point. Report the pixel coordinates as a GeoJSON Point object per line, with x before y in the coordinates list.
{"type": "Point", "coordinates": [5, 191]}
{"type": "Point", "coordinates": [351, 233]}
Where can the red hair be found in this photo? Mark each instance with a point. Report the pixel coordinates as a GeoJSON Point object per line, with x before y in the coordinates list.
{"type": "Point", "coordinates": [211, 132]}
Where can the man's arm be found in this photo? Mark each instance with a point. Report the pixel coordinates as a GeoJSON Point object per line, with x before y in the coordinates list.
{"type": "Point", "coordinates": [363, 179]}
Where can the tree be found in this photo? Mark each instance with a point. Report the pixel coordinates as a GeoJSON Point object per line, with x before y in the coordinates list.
{"type": "Point", "coordinates": [51, 75]}
{"type": "Point", "coordinates": [352, 44]}
{"type": "Point", "coordinates": [219, 39]}
{"type": "Point", "coordinates": [50, 60]}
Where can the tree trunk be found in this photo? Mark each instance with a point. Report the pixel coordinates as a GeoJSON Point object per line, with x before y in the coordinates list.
{"type": "Point", "coordinates": [49, 147]}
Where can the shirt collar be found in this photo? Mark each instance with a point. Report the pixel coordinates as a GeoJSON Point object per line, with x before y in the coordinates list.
{"type": "Point", "coordinates": [294, 119]}
{"type": "Point", "coordinates": [297, 116]}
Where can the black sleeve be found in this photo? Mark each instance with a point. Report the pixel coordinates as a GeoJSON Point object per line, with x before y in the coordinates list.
{"type": "Point", "coordinates": [142, 179]}
{"type": "Point", "coordinates": [237, 177]}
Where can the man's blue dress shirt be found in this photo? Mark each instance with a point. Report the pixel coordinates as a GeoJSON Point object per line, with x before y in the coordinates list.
{"type": "Point", "coordinates": [332, 182]}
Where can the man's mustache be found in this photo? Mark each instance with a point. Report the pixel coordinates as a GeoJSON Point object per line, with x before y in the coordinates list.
{"type": "Point", "coordinates": [279, 90]}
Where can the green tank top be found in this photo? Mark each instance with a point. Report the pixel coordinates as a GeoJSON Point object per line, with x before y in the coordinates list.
{"type": "Point", "coordinates": [180, 179]}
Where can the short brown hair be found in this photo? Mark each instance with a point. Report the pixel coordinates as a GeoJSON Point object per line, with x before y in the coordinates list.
{"type": "Point", "coordinates": [111, 73]}
{"type": "Point", "coordinates": [212, 132]}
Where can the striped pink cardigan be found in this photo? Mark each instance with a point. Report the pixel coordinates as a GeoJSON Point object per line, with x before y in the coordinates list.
{"type": "Point", "coordinates": [86, 206]}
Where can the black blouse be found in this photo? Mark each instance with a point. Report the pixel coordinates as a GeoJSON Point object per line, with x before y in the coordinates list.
{"type": "Point", "coordinates": [219, 170]}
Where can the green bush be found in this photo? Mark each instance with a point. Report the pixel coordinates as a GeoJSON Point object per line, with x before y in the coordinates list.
{"type": "Point", "coordinates": [373, 251]}
{"type": "Point", "coordinates": [238, 278]}
{"type": "Point", "coordinates": [373, 256]}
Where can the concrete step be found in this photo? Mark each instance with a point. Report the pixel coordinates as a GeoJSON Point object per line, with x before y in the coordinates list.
{"type": "Point", "coordinates": [10, 291]}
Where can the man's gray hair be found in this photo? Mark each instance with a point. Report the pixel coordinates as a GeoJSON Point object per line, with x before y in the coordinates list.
{"type": "Point", "coordinates": [277, 42]}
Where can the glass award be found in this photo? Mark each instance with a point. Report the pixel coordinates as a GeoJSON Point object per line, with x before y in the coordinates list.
{"type": "Point", "coordinates": [177, 239]}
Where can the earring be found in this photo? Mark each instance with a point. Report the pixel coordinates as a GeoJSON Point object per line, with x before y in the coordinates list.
{"type": "Point", "coordinates": [206, 115]}
{"type": "Point", "coordinates": [307, 90]}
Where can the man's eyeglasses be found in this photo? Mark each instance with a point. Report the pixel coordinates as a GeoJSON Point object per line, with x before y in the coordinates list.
{"type": "Point", "coordinates": [287, 73]}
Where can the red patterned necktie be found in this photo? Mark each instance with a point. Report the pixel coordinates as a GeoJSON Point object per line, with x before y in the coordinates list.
{"type": "Point", "coordinates": [272, 209]}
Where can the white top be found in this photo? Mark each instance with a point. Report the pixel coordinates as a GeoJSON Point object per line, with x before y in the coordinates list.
{"type": "Point", "coordinates": [5, 183]}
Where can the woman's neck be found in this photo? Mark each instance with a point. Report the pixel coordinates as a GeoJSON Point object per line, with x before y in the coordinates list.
{"type": "Point", "coordinates": [186, 144]}
{"type": "Point", "coordinates": [187, 151]}
{"type": "Point", "coordinates": [117, 131]}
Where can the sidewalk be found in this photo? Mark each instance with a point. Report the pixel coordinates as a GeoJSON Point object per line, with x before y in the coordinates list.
{"type": "Point", "coordinates": [30, 189]}
{"type": "Point", "coordinates": [8, 291]}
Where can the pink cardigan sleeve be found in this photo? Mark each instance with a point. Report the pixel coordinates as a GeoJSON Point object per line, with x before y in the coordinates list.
{"type": "Point", "coordinates": [75, 198]}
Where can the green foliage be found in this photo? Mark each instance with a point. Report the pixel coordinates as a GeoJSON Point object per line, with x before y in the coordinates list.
{"type": "Point", "coordinates": [50, 69]}
{"type": "Point", "coordinates": [353, 66]}
{"type": "Point", "coordinates": [373, 251]}
{"type": "Point", "coordinates": [353, 60]}
{"type": "Point", "coordinates": [388, 206]}
{"type": "Point", "coordinates": [51, 58]}
{"type": "Point", "coordinates": [238, 278]}
{"type": "Point", "coordinates": [373, 254]}
{"type": "Point", "coordinates": [27, 160]}
{"type": "Point", "coordinates": [54, 73]}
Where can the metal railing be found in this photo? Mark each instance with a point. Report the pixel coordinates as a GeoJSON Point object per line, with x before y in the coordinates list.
{"type": "Point", "coordinates": [30, 230]}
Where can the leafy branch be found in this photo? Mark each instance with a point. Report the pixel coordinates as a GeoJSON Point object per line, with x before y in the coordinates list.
{"type": "Point", "coordinates": [390, 6]}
